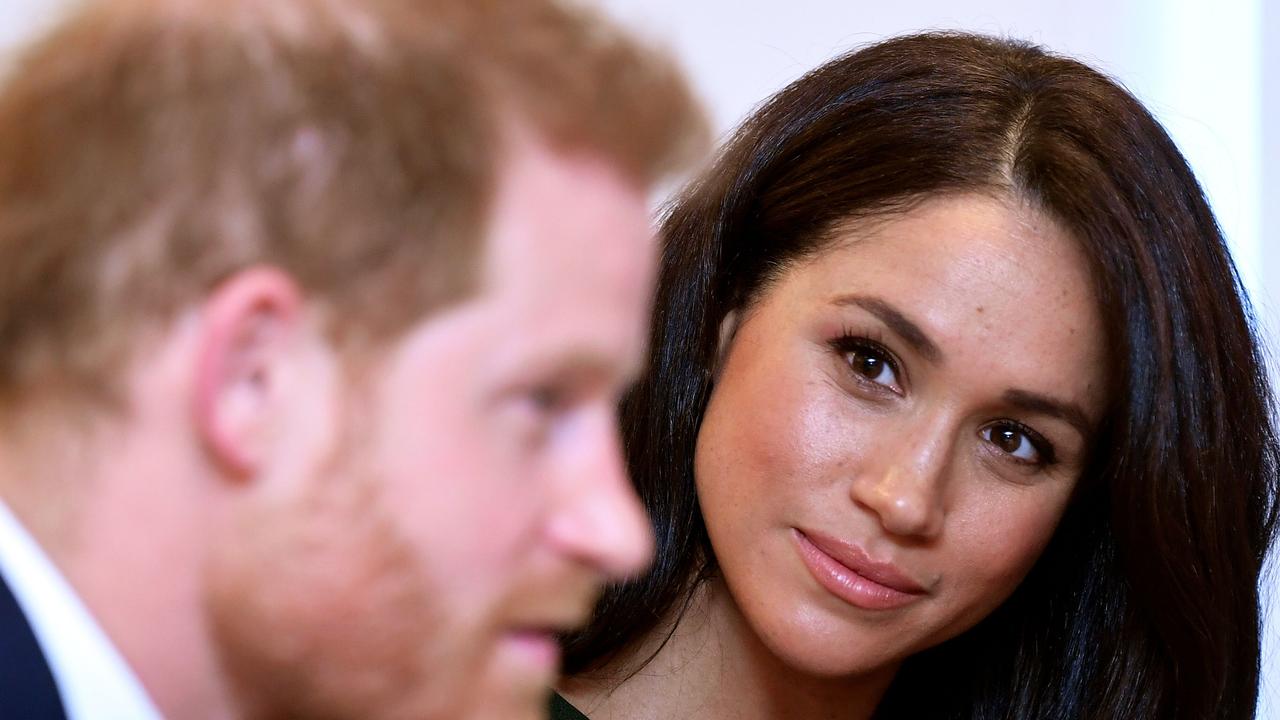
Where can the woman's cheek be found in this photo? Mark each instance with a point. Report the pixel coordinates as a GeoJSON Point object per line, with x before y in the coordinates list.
{"type": "Point", "coordinates": [996, 539]}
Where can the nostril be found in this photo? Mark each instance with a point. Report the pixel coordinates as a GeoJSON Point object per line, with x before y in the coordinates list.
{"type": "Point", "coordinates": [634, 542]}
{"type": "Point", "coordinates": [904, 503]}
{"type": "Point", "coordinates": [604, 527]}
{"type": "Point", "coordinates": [910, 516]}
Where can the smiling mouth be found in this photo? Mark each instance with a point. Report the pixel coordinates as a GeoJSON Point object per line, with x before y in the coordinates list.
{"type": "Point", "coordinates": [846, 572]}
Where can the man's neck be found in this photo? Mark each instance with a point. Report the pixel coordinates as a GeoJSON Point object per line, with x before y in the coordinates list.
{"type": "Point", "coordinates": [714, 667]}
{"type": "Point", "coordinates": [128, 539]}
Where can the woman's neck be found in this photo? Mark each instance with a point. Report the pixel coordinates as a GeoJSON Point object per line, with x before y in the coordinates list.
{"type": "Point", "coordinates": [715, 667]}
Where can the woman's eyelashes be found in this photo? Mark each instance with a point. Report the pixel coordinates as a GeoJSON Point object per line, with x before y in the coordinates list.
{"type": "Point", "coordinates": [875, 368]}
{"type": "Point", "coordinates": [1019, 442]}
{"type": "Point", "coordinates": [869, 361]}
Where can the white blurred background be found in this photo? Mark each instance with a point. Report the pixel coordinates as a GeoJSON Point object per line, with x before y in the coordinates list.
{"type": "Point", "coordinates": [1206, 69]}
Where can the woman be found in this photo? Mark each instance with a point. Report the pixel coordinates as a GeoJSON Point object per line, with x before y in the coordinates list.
{"type": "Point", "coordinates": [953, 410]}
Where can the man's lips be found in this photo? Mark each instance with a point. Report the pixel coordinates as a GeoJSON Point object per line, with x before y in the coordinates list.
{"type": "Point", "coordinates": [540, 618]}
{"type": "Point", "coordinates": [848, 572]}
{"type": "Point", "coordinates": [539, 647]}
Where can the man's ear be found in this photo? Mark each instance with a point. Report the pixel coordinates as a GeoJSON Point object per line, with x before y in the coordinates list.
{"type": "Point", "coordinates": [247, 326]}
{"type": "Point", "coordinates": [728, 328]}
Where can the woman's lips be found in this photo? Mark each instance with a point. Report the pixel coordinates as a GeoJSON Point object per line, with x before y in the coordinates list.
{"type": "Point", "coordinates": [846, 571]}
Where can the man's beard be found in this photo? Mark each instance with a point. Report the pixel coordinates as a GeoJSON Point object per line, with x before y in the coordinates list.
{"type": "Point", "coordinates": [320, 608]}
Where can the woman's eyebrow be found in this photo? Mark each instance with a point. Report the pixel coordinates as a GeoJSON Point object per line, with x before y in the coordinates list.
{"type": "Point", "coordinates": [1045, 405]}
{"type": "Point", "coordinates": [911, 333]}
{"type": "Point", "coordinates": [900, 324]}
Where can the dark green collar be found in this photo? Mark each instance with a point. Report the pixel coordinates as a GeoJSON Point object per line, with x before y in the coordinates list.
{"type": "Point", "coordinates": [562, 710]}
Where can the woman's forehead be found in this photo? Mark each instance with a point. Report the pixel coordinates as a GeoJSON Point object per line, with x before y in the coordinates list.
{"type": "Point", "coordinates": [986, 282]}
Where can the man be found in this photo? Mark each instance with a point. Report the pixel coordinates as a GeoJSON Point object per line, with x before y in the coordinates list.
{"type": "Point", "coordinates": [313, 318]}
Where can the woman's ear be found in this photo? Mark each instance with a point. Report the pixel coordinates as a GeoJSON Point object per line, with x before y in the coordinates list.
{"type": "Point", "coordinates": [247, 325]}
{"type": "Point", "coordinates": [728, 328]}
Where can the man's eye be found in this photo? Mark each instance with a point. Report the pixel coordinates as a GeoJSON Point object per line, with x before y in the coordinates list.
{"type": "Point", "coordinates": [547, 398]}
{"type": "Point", "coordinates": [1018, 442]}
{"type": "Point", "coordinates": [872, 365]}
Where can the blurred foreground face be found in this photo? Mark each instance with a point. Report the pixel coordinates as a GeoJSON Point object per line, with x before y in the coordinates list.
{"type": "Point", "coordinates": [443, 520]}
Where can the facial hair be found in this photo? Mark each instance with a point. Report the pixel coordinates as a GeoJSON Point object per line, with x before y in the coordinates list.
{"type": "Point", "coordinates": [320, 606]}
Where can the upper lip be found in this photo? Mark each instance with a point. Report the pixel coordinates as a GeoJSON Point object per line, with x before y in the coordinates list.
{"type": "Point", "coordinates": [550, 624]}
{"type": "Point", "coordinates": [856, 559]}
{"type": "Point", "coordinates": [553, 614]}
{"type": "Point", "coordinates": [557, 602]}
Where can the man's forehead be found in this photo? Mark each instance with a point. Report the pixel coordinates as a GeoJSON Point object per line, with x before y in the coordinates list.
{"type": "Point", "coordinates": [573, 209]}
{"type": "Point", "coordinates": [567, 341]}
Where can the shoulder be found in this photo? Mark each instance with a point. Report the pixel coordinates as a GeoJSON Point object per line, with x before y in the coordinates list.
{"type": "Point", "coordinates": [26, 684]}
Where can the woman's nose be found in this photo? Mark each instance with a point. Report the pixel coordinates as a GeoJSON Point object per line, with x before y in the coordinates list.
{"type": "Point", "coordinates": [903, 484]}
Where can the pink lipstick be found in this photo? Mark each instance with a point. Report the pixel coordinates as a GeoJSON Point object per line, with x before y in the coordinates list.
{"type": "Point", "coordinates": [846, 571]}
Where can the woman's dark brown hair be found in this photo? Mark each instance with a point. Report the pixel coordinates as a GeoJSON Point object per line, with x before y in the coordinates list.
{"type": "Point", "coordinates": [1145, 604]}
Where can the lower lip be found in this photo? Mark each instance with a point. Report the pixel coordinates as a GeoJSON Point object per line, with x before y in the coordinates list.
{"type": "Point", "coordinates": [847, 585]}
{"type": "Point", "coordinates": [533, 648]}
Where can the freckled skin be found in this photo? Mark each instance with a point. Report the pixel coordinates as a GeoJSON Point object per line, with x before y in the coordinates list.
{"type": "Point", "coordinates": [793, 438]}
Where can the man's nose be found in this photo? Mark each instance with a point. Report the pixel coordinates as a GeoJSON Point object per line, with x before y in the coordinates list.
{"type": "Point", "coordinates": [600, 521]}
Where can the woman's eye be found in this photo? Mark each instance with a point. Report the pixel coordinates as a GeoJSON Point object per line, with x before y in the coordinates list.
{"type": "Point", "coordinates": [872, 365]}
{"type": "Point", "coordinates": [1014, 441]}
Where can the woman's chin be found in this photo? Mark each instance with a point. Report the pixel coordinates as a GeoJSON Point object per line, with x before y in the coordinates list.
{"type": "Point", "coordinates": [830, 650]}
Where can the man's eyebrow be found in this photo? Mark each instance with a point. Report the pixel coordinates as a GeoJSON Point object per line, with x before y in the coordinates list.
{"type": "Point", "coordinates": [1045, 405]}
{"type": "Point", "coordinates": [900, 324]}
{"type": "Point", "coordinates": [582, 364]}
